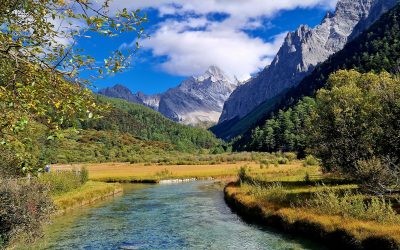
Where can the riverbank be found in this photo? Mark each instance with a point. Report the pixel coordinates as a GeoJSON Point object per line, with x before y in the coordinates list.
{"type": "Point", "coordinates": [87, 194]}
{"type": "Point", "coordinates": [154, 173]}
{"type": "Point", "coordinates": [190, 215]}
{"type": "Point", "coordinates": [335, 232]}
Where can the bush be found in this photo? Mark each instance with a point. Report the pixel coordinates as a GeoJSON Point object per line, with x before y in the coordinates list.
{"type": "Point", "coordinates": [24, 206]}
{"type": "Point", "coordinates": [62, 182]}
{"type": "Point", "coordinates": [283, 160]}
{"type": "Point", "coordinates": [311, 161]}
{"type": "Point", "coordinates": [290, 156]}
{"type": "Point", "coordinates": [273, 192]}
{"type": "Point", "coordinates": [84, 174]}
{"type": "Point", "coordinates": [376, 176]}
{"type": "Point", "coordinates": [330, 201]}
{"type": "Point", "coordinates": [307, 178]}
{"type": "Point", "coordinates": [243, 176]}
{"type": "Point", "coordinates": [164, 174]}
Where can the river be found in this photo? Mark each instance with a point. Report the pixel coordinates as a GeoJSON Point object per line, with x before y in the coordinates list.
{"type": "Point", "coordinates": [170, 216]}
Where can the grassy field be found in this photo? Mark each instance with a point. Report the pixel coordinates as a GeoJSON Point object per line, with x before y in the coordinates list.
{"type": "Point", "coordinates": [89, 193]}
{"type": "Point", "coordinates": [126, 172]}
{"type": "Point", "coordinates": [302, 200]}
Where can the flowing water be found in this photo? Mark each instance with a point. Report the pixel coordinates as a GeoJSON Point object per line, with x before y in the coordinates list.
{"type": "Point", "coordinates": [177, 216]}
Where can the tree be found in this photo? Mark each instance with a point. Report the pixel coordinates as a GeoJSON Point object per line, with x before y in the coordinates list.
{"type": "Point", "coordinates": [356, 128]}
{"type": "Point", "coordinates": [40, 64]}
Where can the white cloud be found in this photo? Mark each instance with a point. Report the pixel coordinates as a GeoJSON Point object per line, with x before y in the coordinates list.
{"type": "Point", "coordinates": [194, 43]}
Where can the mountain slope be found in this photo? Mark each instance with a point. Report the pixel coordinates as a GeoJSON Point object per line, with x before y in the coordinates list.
{"type": "Point", "coordinates": [195, 101]}
{"type": "Point", "coordinates": [377, 49]}
{"type": "Point", "coordinates": [198, 99]}
{"type": "Point", "coordinates": [147, 124]}
{"type": "Point", "coordinates": [301, 52]}
{"type": "Point", "coordinates": [122, 92]}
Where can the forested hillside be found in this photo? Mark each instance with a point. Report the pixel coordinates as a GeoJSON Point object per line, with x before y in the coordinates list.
{"type": "Point", "coordinates": [127, 132]}
{"type": "Point", "coordinates": [147, 124]}
{"type": "Point", "coordinates": [376, 50]}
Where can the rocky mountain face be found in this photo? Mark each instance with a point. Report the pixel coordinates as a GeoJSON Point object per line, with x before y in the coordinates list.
{"type": "Point", "coordinates": [196, 100]}
{"type": "Point", "coordinates": [302, 50]}
{"type": "Point", "coordinates": [122, 92]}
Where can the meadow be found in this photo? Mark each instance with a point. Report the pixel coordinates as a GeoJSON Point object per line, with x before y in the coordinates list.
{"type": "Point", "coordinates": [188, 166]}
{"type": "Point", "coordinates": [304, 201]}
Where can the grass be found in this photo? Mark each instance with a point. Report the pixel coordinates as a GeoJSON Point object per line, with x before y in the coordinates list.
{"type": "Point", "coordinates": [126, 172]}
{"type": "Point", "coordinates": [359, 229]}
{"type": "Point", "coordinates": [86, 194]}
{"type": "Point", "coordinates": [294, 199]}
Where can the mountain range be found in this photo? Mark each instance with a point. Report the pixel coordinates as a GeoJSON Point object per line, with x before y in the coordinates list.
{"type": "Point", "coordinates": [300, 53]}
{"type": "Point", "coordinates": [197, 100]}
{"type": "Point", "coordinates": [237, 107]}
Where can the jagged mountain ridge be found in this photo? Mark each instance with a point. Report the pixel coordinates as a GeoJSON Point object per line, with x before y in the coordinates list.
{"type": "Point", "coordinates": [122, 92]}
{"type": "Point", "coordinates": [198, 99]}
{"type": "Point", "coordinates": [301, 51]}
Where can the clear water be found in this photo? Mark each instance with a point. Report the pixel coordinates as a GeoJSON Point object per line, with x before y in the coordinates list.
{"type": "Point", "coordinates": [179, 216]}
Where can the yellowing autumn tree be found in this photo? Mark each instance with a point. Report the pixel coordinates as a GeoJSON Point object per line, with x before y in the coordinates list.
{"type": "Point", "coordinates": [40, 65]}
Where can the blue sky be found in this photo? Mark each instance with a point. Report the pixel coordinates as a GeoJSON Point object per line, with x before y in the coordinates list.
{"type": "Point", "coordinates": [185, 37]}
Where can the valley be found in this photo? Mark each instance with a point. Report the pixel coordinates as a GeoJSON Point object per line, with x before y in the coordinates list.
{"type": "Point", "coordinates": [271, 126]}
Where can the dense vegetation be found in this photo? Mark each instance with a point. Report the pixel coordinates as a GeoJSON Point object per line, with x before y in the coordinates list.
{"type": "Point", "coordinates": [356, 128]}
{"type": "Point", "coordinates": [147, 124]}
{"type": "Point", "coordinates": [377, 49]}
{"type": "Point", "coordinates": [286, 131]}
{"type": "Point", "coordinates": [352, 126]}
{"type": "Point", "coordinates": [303, 200]}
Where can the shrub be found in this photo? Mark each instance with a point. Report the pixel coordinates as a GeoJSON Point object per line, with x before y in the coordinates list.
{"type": "Point", "coordinates": [307, 178]}
{"type": "Point", "coordinates": [273, 192]}
{"type": "Point", "coordinates": [376, 175]}
{"type": "Point", "coordinates": [163, 174]}
{"type": "Point", "coordinates": [62, 182]}
{"type": "Point", "coordinates": [84, 174]}
{"type": "Point", "coordinates": [311, 161]}
{"type": "Point", "coordinates": [283, 160]}
{"type": "Point", "coordinates": [290, 156]}
{"type": "Point", "coordinates": [330, 201]}
{"type": "Point", "coordinates": [24, 206]}
{"type": "Point", "coordinates": [243, 176]}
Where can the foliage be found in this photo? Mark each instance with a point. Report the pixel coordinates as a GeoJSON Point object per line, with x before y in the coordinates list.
{"type": "Point", "coordinates": [147, 124]}
{"type": "Point", "coordinates": [84, 175]}
{"type": "Point", "coordinates": [273, 192]}
{"type": "Point", "coordinates": [377, 175]}
{"type": "Point", "coordinates": [62, 182]}
{"type": "Point", "coordinates": [357, 119]}
{"type": "Point", "coordinates": [310, 160]}
{"type": "Point", "coordinates": [164, 174]}
{"type": "Point", "coordinates": [242, 174]}
{"type": "Point", "coordinates": [23, 206]}
{"type": "Point", "coordinates": [330, 201]}
{"type": "Point", "coordinates": [44, 33]}
{"type": "Point", "coordinates": [39, 65]}
{"type": "Point", "coordinates": [284, 132]}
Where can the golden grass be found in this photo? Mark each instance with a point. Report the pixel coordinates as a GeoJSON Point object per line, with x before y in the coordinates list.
{"type": "Point", "coordinates": [89, 193]}
{"type": "Point", "coordinates": [358, 229]}
{"type": "Point", "coordinates": [142, 172]}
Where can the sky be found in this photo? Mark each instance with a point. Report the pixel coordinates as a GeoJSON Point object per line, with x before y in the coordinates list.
{"type": "Point", "coordinates": [186, 37]}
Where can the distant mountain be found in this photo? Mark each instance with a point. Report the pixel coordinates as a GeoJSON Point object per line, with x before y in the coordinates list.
{"type": "Point", "coordinates": [122, 92]}
{"type": "Point", "coordinates": [197, 100]}
{"type": "Point", "coordinates": [300, 53]}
